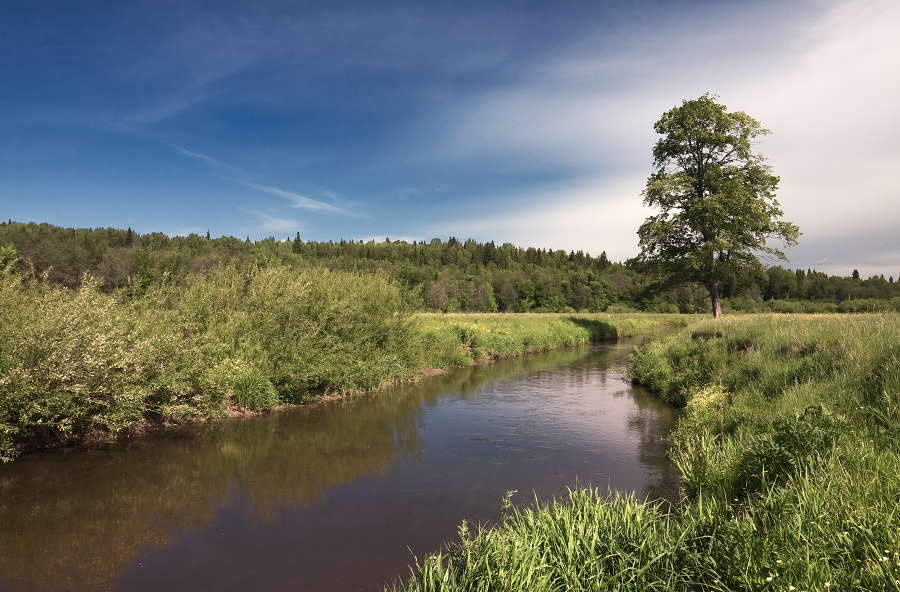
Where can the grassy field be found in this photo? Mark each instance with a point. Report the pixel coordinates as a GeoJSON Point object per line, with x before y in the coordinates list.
{"type": "Point", "coordinates": [790, 454]}
{"type": "Point", "coordinates": [462, 339]}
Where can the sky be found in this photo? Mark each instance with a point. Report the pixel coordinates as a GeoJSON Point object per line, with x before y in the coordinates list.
{"type": "Point", "coordinates": [521, 121]}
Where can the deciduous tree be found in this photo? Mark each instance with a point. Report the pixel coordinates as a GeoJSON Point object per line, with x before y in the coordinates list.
{"type": "Point", "coordinates": [716, 198]}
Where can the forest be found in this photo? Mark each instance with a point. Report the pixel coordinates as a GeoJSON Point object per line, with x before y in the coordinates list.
{"type": "Point", "coordinates": [443, 275]}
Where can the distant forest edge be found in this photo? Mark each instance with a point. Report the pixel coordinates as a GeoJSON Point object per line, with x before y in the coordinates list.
{"type": "Point", "coordinates": [444, 276]}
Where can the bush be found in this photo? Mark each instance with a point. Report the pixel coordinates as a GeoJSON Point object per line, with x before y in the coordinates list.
{"type": "Point", "coordinates": [309, 331]}
{"type": "Point", "coordinates": [85, 364]}
{"type": "Point", "coordinates": [81, 365]}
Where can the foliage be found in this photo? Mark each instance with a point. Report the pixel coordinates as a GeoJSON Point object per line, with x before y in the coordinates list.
{"type": "Point", "coordinates": [76, 365]}
{"type": "Point", "coordinates": [80, 365]}
{"type": "Point", "coordinates": [717, 198]}
{"type": "Point", "coordinates": [310, 331]}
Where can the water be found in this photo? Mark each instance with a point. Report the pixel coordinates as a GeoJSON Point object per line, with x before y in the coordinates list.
{"type": "Point", "coordinates": [337, 496]}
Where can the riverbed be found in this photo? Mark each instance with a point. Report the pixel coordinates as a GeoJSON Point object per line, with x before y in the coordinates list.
{"type": "Point", "coordinates": [338, 496]}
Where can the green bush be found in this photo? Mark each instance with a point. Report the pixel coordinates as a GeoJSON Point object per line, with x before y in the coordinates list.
{"type": "Point", "coordinates": [310, 331]}
{"type": "Point", "coordinates": [84, 364]}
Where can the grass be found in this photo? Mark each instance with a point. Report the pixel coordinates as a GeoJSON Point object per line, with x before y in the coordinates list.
{"type": "Point", "coordinates": [789, 450]}
{"type": "Point", "coordinates": [462, 339]}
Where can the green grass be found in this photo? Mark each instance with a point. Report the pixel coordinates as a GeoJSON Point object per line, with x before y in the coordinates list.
{"type": "Point", "coordinates": [462, 339]}
{"type": "Point", "coordinates": [789, 450]}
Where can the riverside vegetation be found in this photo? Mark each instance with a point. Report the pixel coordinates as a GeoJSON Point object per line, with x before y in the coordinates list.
{"type": "Point", "coordinates": [789, 450]}
{"type": "Point", "coordinates": [81, 364]}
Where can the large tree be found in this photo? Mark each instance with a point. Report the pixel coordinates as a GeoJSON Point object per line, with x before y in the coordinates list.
{"type": "Point", "coordinates": [716, 196]}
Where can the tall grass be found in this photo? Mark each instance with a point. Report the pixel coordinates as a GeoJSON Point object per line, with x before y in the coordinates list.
{"type": "Point", "coordinates": [586, 541]}
{"type": "Point", "coordinates": [789, 450]}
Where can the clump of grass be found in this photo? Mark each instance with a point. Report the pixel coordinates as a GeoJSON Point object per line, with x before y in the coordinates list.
{"type": "Point", "coordinates": [584, 541]}
{"type": "Point", "coordinates": [254, 391]}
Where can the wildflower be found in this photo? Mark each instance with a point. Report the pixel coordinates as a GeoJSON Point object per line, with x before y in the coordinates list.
{"type": "Point", "coordinates": [769, 579]}
{"type": "Point", "coordinates": [778, 561]}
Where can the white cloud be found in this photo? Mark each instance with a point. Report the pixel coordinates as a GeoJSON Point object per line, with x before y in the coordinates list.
{"type": "Point", "coordinates": [592, 215]}
{"type": "Point", "coordinates": [185, 231]}
{"type": "Point", "coordinates": [300, 201]}
{"type": "Point", "coordinates": [833, 112]}
{"type": "Point", "coordinates": [203, 157]}
{"type": "Point", "coordinates": [380, 238]}
{"type": "Point", "coordinates": [826, 86]}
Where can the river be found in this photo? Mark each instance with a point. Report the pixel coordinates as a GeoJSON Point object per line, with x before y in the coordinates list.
{"type": "Point", "coordinates": [337, 496]}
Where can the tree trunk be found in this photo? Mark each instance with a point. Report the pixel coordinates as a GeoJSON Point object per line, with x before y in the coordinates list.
{"type": "Point", "coordinates": [713, 288]}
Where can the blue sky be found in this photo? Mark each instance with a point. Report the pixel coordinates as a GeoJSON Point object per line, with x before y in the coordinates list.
{"type": "Point", "coordinates": [518, 121]}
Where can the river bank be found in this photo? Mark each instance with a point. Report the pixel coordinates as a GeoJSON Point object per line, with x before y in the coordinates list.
{"type": "Point", "coordinates": [790, 460]}
{"type": "Point", "coordinates": [84, 366]}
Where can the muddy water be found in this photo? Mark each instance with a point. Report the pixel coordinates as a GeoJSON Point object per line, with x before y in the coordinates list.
{"type": "Point", "coordinates": [337, 496]}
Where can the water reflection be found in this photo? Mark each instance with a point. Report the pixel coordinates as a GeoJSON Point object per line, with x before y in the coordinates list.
{"type": "Point", "coordinates": [333, 496]}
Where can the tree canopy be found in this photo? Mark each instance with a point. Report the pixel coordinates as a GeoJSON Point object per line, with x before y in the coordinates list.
{"type": "Point", "coordinates": [715, 195]}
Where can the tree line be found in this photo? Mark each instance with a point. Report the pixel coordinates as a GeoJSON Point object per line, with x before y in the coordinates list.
{"type": "Point", "coordinates": [443, 275]}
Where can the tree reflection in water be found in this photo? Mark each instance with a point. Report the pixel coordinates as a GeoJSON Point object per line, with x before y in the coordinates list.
{"type": "Point", "coordinates": [79, 520]}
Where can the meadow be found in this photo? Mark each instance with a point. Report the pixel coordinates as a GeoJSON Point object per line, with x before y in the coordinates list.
{"type": "Point", "coordinates": [790, 460]}
{"type": "Point", "coordinates": [461, 339]}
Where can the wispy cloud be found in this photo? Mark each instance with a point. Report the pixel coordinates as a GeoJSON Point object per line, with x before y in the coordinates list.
{"type": "Point", "coordinates": [197, 155]}
{"type": "Point", "coordinates": [300, 201]}
{"type": "Point", "coordinates": [276, 224]}
{"type": "Point", "coordinates": [297, 200]}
